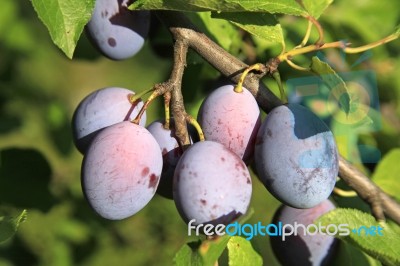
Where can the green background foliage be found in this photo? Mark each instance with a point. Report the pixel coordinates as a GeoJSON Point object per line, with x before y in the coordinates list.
{"type": "Point", "coordinates": [40, 88]}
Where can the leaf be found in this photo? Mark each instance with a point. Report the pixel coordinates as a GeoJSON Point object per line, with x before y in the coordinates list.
{"type": "Point", "coordinates": [65, 20]}
{"type": "Point", "coordinates": [333, 81]}
{"type": "Point", "coordinates": [9, 225]}
{"type": "Point", "coordinates": [316, 7]}
{"type": "Point", "coordinates": [206, 252]}
{"type": "Point", "coordinates": [201, 253]}
{"type": "Point", "coordinates": [221, 31]}
{"type": "Point", "coordinates": [211, 250]}
{"type": "Point", "coordinates": [385, 247]}
{"type": "Point", "coordinates": [188, 255]}
{"type": "Point", "coordinates": [262, 25]}
{"type": "Point", "coordinates": [349, 255]}
{"type": "Point", "coordinates": [386, 173]}
{"type": "Point", "coordinates": [242, 253]}
{"type": "Point", "coordinates": [290, 7]}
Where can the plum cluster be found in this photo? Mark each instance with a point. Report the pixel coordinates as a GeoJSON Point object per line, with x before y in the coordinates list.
{"type": "Point", "coordinates": [126, 163]}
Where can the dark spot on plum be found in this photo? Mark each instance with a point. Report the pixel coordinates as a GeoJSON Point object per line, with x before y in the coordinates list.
{"type": "Point", "coordinates": [145, 171]}
{"type": "Point", "coordinates": [239, 165]}
{"type": "Point", "coordinates": [223, 159]}
{"type": "Point", "coordinates": [269, 132]}
{"type": "Point", "coordinates": [248, 181]}
{"type": "Point", "coordinates": [183, 166]}
{"type": "Point", "coordinates": [104, 14]}
{"type": "Point", "coordinates": [112, 42]}
{"type": "Point", "coordinates": [203, 201]}
{"type": "Point", "coordinates": [153, 181]}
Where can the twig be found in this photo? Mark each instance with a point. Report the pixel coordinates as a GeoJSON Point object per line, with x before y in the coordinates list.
{"type": "Point", "coordinates": [177, 105]}
{"type": "Point", "coordinates": [230, 66]}
{"type": "Point", "coordinates": [379, 201]}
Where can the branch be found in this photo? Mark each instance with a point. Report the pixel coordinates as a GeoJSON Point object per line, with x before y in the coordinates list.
{"type": "Point", "coordinates": [177, 106]}
{"type": "Point", "coordinates": [379, 201]}
{"type": "Point", "coordinates": [182, 29]}
{"type": "Point", "coordinates": [224, 62]}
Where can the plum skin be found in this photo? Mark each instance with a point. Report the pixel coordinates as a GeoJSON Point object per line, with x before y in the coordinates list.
{"type": "Point", "coordinates": [121, 170]}
{"type": "Point", "coordinates": [231, 118]}
{"type": "Point", "coordinates": [171, 152]}
{"type": "Point", "coordinates": [211, 184]}
{"type": "Point", "coordinates": [116, 31]}
{"type": "Point", "coordinates": [100, 109]}
{"type": "Point", "coordinates": [303, 249]}
{"type": "Point", "coordinates": [296, 156]}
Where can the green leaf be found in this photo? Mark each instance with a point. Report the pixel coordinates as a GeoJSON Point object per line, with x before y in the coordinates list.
{"type": "Point", "coordinates": [65, 20]}
{"type": "Point", "coordinates": [316, 7]}
{"type": "Point", "coordinates": [351, 256]}
{"type": "Point", "coordinates": [386, 173]}
{"type": "Point", "coordinates": [242, 253]}
{"type": "Point", "coordinates": [204, 253]}
{"type": "Point", "coordinates": [188, 255]}
{"type": "Point", "coordinates": [221, 31]}
{"type": "Point", "coordinates": [385, 248]}
{"type": "Point", "coordinates": [290, 7]}
{"type": "Point", "coordinates": [207, 252]}
{"type": "Point", "coordinates": [333, 81]}
{"type": "Point", "coordinates": [9, 225]}
{"type": "Point", "coordinates": [211, 250]}
{"type": "Point", "coordinates": [262, 25]}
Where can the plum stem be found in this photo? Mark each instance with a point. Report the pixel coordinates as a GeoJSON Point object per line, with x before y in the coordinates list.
{"type": "Point", "coordinates": [306, 36]}
{"type": "Point", "coordinates": [278, 80]}
{"type": "Point", "coordinates": [151, 98]}
{"type": "Point", "coordinates": [167, 101]}
{"type": "Point", "coordinates": [133, 97]}
{"type": "Point", "coordinates": [259, 67]}
{"type": "Point", "coordinates": [196, 125]}
{"type": "Point", "coordinates": [344, 193]}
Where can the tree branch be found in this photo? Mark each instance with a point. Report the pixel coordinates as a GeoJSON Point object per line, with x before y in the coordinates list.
{"type": "Point", "coordinates": [177, 106]}
{"type": "Point", "coordinates": [182, 29]}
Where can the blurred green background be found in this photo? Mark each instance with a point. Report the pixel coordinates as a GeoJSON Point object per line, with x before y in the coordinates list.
{"type": "Point", "coordinates": [40, 168]}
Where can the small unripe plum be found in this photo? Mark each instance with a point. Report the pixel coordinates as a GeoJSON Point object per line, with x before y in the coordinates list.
{"type": "Point", "coordinates": [296, 156]}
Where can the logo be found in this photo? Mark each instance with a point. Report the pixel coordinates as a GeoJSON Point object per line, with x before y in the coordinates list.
{"type": "Point", "coordinates": [249, 231]}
